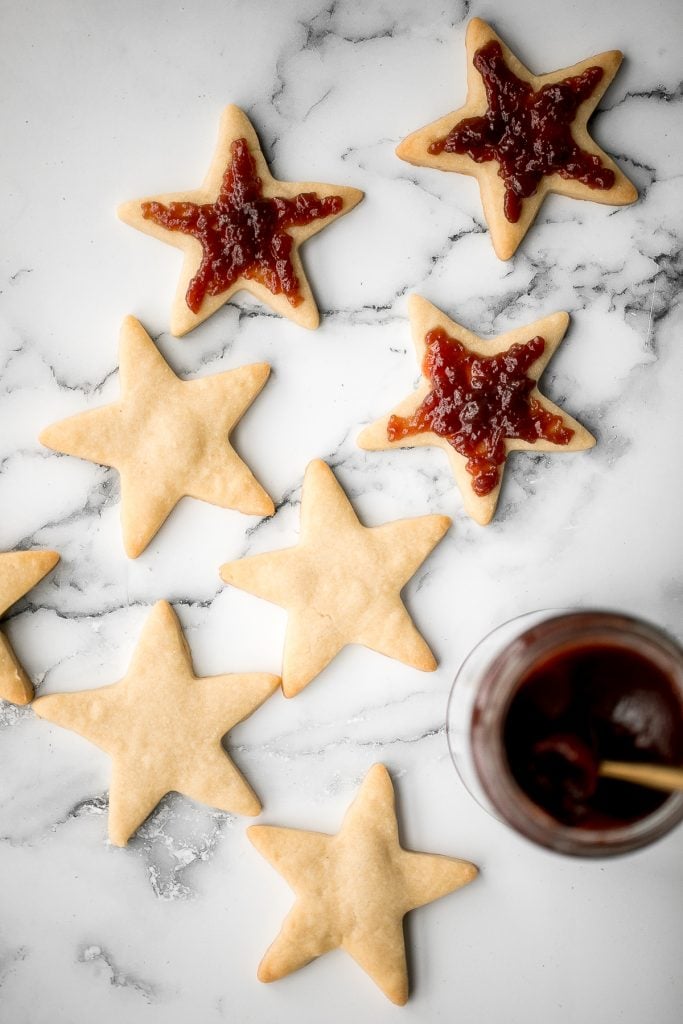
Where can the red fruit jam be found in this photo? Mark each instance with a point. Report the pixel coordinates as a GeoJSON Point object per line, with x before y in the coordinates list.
{"type": "Point", "coordinates": [582, 704]}
{"type": "Point", "coordinates": [527, 132]}
{"type": "Point", "coordinates": [476, 402]}
{"type": "Point", "coordinates": [243, 233]}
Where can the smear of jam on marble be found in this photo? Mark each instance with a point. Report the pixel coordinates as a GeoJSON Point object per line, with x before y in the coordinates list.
{"type": "Point", "coordinates": [585, 704]}
{"type": "Point", "coordinates": [527, 132]}
{"type": "Point", "coordinates": [476, 402]}
{"type": "Point", "coordinates": [243, 233]}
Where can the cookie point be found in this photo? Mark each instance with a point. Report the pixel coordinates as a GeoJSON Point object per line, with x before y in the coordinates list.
{"type": "Point", "coordinates": [444, 523]}
{"type": "Point", "coordinates": [317, 467]}
{"type": "Point", "coordinates": [45, 437]}
{"type": "Point", "coordinates": [231, 111]}
{"type": "Point", "coordinates": [399, 998]}
{"type": "Point", "coordinates": [131, 323]}
{"type": "Point", "coordinates": [48, 559]}
{"type": "Point", "coordinates": [504, 251]}
{"type": "Point", "coordinates": [631, 195]}
{"type": "Point", "coordinates": [471, 871]}
{"type": "Point", "coordinates": [378, 771]}
{"type": "Point", "coordinates": [364, 438]}
{"type": "Point", "coordinates": [118, 839]}
{"type": "Point", "coordinates": [24, 696]}
{"type": "Point", "coordinates": [224, 572]}
{"type": "Point", "coordinates": [265, 973]}
{"type": "Point", "coordinates": [126, 211]}
{"type": "Point", "coordinates": [133, 548]}
{"type": "Point", "coordinates": [430, 664]}
{"type": "Point", "coordinates": [478, 25]}
{"type": "Point", "coordinates": [163, 607]}
{"type": "Point", "coordinates": [400, 149]}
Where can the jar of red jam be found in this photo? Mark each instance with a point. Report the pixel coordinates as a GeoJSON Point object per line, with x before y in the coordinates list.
{"type": "Point", "coordinates": [543, 701]}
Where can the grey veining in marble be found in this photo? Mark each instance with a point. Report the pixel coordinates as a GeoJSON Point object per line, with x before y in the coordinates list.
{"type": "Point", "coordinates": [104, 102]}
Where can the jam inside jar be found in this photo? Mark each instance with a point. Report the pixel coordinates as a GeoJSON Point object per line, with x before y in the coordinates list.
{"type": "Point", "coordinates": [584, 704]}
{"type": "Point", "coordinates": [543, 700]}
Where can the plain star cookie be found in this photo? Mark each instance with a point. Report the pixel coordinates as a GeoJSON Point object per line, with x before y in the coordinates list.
{"type": "Point", "coordinates": [523, 136]}
{"type": "Point", "coordinates": [341, 584]}
{"type": "Point", "coordinates": [19, 572]}
{"type": "Point", "coordinates": [168, 438]}
{"type": "Point", "coordinates": [162, 726]}
{"type": "Point", "coordinates": [478, 401]}
{"type": "Point", "coordinates": [241, 230]}
{"type": "Point", "coordinates": [353, 889]}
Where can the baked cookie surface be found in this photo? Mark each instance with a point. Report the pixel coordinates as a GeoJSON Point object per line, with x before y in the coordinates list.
{"type": "Point", "coordinates": [341, 584]}
{"type": "Point", "coordinates": [20, 571]}
{"type": "Point", "coordinates": [162, 726]}
{"type": "Point", "coordinates": [353, 889]}
{"type": "Point", "coordinates": [474, 400]}
{"type": "Point", "coordinates": [168, 438]}
{"type": "Point", "coordinates": [523, 136]}
{"type": "Point", "coordinates": [241, 230]}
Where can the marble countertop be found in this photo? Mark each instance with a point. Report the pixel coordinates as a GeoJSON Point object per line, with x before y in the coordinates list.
{"type": "Point", "coordinates": [105, 102]}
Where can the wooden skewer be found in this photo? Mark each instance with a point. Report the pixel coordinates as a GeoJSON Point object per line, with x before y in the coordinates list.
{"type": "Point", "coordinates": [656, 776]}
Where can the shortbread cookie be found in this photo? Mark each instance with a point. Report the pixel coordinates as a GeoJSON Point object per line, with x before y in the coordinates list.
{"type": "Point", "coordinates": [353, 889]}
{"type": "Point", "coordinates": [19, 572]}
{"type": "Point", "coordinates": [241, 230]}
{"type": "Point", "coordinates": [341, 584]}
{"type": "Point", "coordinates": [478, 400]}
{"type": "Point", "coordinates": [168, 438]}
{"type": "Point", "coordinates": [523, 136]}
{"type": "Point", "coordinates": [162, 727]}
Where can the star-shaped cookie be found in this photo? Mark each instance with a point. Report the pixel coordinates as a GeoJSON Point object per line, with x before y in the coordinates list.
{"type": "Point", "coordinates": [341, 584]}
{"type": "Point", "coordinates": [477, 426]}
{"type": "Point", "coordinates": [353, 889]}
{"type": "Point", "coordinates": [162, 727]}
{"type": "Point", "coordinates": [168, 438]}
{"type": "Point", "coordinates": [241, 230]}
{"type": "Point", "coordinates": [19, 572]}
{"type": "Point", "coordinates": [523, 136]}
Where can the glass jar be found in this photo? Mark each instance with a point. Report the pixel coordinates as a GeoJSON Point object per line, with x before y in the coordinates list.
{"type": "Point", "coordinates": [493, 675]}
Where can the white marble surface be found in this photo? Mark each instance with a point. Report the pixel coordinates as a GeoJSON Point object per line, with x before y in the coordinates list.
{"type": "Point", "coordinates": [102, 102]}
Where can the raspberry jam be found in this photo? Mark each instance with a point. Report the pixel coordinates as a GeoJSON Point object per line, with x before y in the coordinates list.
{"type": "Point", "coordinates": [476, 402]}
{"type": "Point", "coordinates": [583, 704]}
{"type": "Point", "coordinates": [527, 132]}
{"type": "Point", "coordinates": [243, 233]}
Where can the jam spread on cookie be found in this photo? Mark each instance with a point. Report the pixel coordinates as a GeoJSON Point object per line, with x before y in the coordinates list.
{"type": "Point", "coordinates": [476, 402]}
{"type": "Point", "coordinates": [243, 233]}
{"type": "Point", "coordinates": [527, 132]}
{"type": "Point", "coordinates": [585, 704]}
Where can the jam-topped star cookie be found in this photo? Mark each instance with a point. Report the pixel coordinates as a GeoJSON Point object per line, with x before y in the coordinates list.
{"type": "Point", "coordinates": [342, 582]}
{"type": "Point", "coordinates": [162, 726]}
{"type": "Point", "coordinates": [20, 571]}
{"type": "Point", "coordinates": [479, 400]}
{"type": "Point", "coordinates": [353, 889]}
{"type": "Point", "coordinates": [168, 438]}
{"type": "Point", "coordinates": [523, 136]}
{"type": "Point", "coordinates": [241, 230]}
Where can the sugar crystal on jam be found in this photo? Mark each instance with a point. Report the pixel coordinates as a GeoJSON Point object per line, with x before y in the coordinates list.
{"type": "Point", "coordinates": [243, 233]}
{"type": "Point", "coordinates": [527, 132]}
{"type": "Point", "coordinates": [476, 402]}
